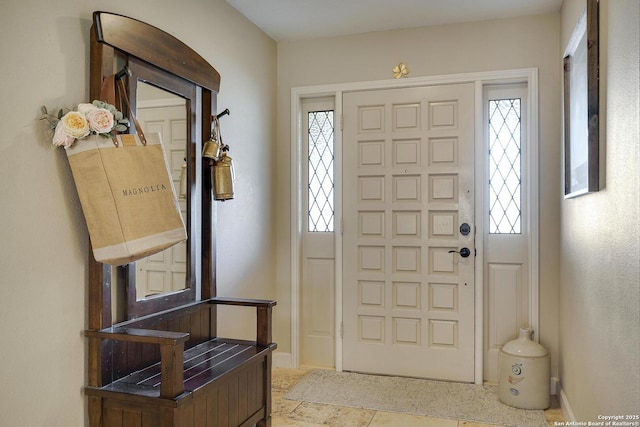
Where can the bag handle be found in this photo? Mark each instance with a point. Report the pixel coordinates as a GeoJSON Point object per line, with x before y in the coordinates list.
{"type": "Point", "coordinates": [215, 130]}
{"type": "Point", "coordinates": [216, 134]}
{"type": "Point", "coordinates": [108, 95]}
{"type": "Point", "coordinates": [123, 95]}
{"type": "Point", "coordinates": [108, 90]}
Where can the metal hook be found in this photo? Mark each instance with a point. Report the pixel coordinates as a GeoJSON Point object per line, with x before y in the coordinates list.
{"type": "Point", "coordinates": [224, 113]}
{"type": "Point", "coordinates": [124, 72]}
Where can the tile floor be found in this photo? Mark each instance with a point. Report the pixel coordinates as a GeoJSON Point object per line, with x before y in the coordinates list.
{"type": "Point", "coordinates": [294, 413]}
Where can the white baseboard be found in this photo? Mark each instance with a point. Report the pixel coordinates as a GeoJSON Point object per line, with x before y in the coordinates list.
{"type": "Point", "coordinates": [282, 360]}
{"type": "Point", "coordinates": [567, 412]}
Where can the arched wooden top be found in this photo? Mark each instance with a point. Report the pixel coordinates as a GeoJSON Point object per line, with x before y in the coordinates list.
{"type": "Point", "coordinates": [155, 46]}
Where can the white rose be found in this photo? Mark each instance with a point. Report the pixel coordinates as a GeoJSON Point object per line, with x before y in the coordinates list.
{"type": "Point", "coordinates": [75, 124]}
{"type": "Point", "coordinates": [85, 108]}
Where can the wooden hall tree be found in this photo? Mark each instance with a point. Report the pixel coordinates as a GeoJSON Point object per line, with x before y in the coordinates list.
{"type": "Point", "coordinates": [157, 361]}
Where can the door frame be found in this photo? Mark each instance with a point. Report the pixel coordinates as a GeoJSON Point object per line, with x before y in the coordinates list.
{"type": "Point", "coordinates": [525, 75]}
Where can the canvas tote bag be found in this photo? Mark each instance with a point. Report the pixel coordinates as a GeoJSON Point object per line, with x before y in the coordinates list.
{"type": "Point", "coordinates": [127, 196]}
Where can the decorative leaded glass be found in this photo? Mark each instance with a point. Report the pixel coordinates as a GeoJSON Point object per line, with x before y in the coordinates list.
{"type": "Point", "coordinates": [504, 166]}
{"type": "Point", "coordinates": [320, 181]}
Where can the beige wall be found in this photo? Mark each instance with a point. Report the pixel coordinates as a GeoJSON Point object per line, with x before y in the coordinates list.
{"type": "Point", "coordinates": [473, 47]}
{"type": "Point", "coordinates": [43, 239]}
{"type": "Point", "coordinates": [600, 290]}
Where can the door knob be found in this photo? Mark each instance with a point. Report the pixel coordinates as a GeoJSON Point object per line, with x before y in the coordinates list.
{"type": "Point", "coordinates": [464, 252]}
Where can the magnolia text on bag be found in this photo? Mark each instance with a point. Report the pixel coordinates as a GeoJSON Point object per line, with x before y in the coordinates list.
{"type": "Point", "coordinates": [141, 190]}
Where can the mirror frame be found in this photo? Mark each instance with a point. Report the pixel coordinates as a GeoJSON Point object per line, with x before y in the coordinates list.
{"type": "Point", "coordinates": [116, 41]}
{"type": "Point", "coordinates": [143, 72]}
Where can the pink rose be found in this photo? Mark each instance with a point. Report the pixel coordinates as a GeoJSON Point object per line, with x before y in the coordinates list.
{"type": "Point", "coordinates": [100, 120]}
{"type": "Point", "coordinates": [60, 137]}
{"type": "Point", "coordinates": [75, 124]}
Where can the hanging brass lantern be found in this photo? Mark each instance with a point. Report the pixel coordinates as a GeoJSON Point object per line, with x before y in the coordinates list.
{"type": "Point", "coordinates": [223, 176]}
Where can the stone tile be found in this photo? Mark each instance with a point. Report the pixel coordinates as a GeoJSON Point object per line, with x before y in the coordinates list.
{"type": "Point", "coordinates": [554, 416]}
{"type": "Point", "coordinates": [294, 413]}
{"type": "Point", "coordinates": [554, 413]}
{"type": "Point", "coordinates": [474, 424]}
{"type": "Point", "coordinates": [392, 419]}
{"type": "Point", "coordinates": [284, 379]}
{"type": "Point", "coordinates": [286, 422]}
{"type": "Point", "coordinates": [280, 405]}
{"type": "Point", "coordinates": [337, 416]}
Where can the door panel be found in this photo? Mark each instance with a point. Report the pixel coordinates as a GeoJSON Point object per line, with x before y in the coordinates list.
{"type": "Point", "coordinates": [318, 322]}
{"type": "Point", "coordinates": [408, 186]}
{"type": "Point", "coordinates": [165, 271]}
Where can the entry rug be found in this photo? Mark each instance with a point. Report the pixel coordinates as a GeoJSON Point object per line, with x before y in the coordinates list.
{"type": "Point", "coordinates": [468, 402]}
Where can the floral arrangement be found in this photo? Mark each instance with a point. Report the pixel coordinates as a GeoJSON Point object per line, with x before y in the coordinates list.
{"type": "Point", "coordinates": [97, 118]}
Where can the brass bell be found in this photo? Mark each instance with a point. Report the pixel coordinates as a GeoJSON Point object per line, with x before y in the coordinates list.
{"type": "Point", "coordinates": [211, 150]}
{"type": "Point", "coordinates": [223, 176]}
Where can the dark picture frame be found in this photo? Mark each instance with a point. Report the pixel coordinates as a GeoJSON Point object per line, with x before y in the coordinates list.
{"type": "Point", "coordinates": [581, 106]}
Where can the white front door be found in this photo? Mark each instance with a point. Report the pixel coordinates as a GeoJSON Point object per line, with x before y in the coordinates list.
{"type": "Point", "coordinates": [408, 201]}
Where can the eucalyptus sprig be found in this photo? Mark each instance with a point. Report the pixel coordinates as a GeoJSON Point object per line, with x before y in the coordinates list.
{"type": "Point", "coordinates": [53, 119]}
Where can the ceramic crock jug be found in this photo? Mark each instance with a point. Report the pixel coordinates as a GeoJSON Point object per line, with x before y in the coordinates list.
{"type": "Point", "coordinates": [524, 373]}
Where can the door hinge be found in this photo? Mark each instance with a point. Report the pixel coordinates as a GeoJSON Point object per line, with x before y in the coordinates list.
{"type": "Point", "coordinates": [341, 329]}
{"type": "Point", "coordinates": [341, 226]}
{"type": "Point", "coordinates": [341, 121]}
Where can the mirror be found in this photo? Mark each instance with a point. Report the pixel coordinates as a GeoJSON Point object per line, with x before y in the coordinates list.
{"type": "Point", "coordinates": [165, 103]}
{"type": "Point", "coordinates": [165, 113]}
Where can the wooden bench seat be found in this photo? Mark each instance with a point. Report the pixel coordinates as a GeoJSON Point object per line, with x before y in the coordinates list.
{"type": "Point", "coordinates": [204, 363]}
{"type": "Point", "coordinates": [217, 382]}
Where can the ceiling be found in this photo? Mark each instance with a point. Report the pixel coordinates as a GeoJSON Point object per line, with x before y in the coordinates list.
{"type": "Point", "coordinates": [301, 19]}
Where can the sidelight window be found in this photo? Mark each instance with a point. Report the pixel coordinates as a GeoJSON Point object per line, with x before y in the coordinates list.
{"type": "Point", "coordinates": [320, 171]}
{"type": "Point", "coordinates": [505, 169]}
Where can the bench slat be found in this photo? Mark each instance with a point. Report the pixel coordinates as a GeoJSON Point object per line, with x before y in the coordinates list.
{"type": "Point", "coordinates": [202, 364]}
{"type": "Point", "coordinates": [191, 356]}
{"type": "Point", "coordinates": [214, 372]}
